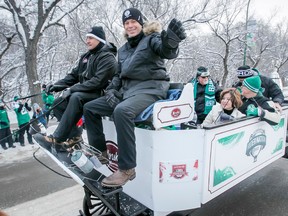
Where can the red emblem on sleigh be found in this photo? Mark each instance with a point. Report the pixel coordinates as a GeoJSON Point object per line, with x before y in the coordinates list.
{"type": "Point", "coordinates": [112, 152]}
{"type": "Point", "coordinates": [179, 171]}
{"type": "Point", "coordinates": [176, 113]}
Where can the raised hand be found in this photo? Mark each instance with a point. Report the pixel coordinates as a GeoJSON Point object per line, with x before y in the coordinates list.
{"type": "Point", "coordinates": [174, 35]}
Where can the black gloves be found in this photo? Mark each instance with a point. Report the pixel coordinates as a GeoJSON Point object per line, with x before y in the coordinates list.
{"type": "Point", "coordinates": [174, 35]}
{"type": "Point", "coordinates": [113, 97]}
{"type": "Point", "coordinates": [225, 117]}
{"type": "Point", "coordinates": [4, 124]}
{"type": "Point", "coordinates": [54, 88]}
{"type": "Point", "coordinates": [66, 93]}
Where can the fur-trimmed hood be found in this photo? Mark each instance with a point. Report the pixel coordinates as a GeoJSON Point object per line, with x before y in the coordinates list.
{"type": "Point", "coordinates": [150, 27]}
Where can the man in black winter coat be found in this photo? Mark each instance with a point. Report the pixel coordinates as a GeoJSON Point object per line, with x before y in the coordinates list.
{"type": "Point", "coordinates": [206, 93]}
{"type": "Point", "coordinates": [85, 83]}
{"type": "Point", "coordinates": [270, 89]}
{"type": "Point", "coordinates": [141, 80]}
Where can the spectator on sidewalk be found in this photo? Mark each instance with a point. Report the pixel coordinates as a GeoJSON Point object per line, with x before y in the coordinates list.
{"type": "Point", "coordinates": [48, 99]}
{"type": "Point", "coordinates": [5, 132]}
{"type": "Point", "coordinates": [39, 114]}
{"type": "Point", "coordinates": [22, 109]}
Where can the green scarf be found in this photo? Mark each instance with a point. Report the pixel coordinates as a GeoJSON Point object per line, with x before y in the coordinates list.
{"type": "Point", "coordinates": [209, 95]}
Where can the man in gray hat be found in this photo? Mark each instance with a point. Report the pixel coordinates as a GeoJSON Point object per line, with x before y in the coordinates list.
{"type": "Point", "coordinates": [206, 93]}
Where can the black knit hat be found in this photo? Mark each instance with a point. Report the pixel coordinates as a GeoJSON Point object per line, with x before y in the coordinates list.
{"type": "Point", "coordinates": [98, 33]}
{"type": "Point", "coordinates": [244, 71]}
{"type": "Point", "coordinates": [132, 13]}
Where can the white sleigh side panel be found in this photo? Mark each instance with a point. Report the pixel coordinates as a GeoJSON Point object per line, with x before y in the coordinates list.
{"type": "Point", "coordinates": [166, 113]}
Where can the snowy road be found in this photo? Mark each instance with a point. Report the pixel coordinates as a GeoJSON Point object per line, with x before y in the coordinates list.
{"type": "Point", "coordinates": [28, 188]}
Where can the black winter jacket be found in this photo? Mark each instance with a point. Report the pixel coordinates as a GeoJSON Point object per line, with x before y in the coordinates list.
{"type": "Point", "coordinates": [93, 71]}
{"type": "Point", "coordinates": [142, 69]}
{"type": "Point", "coordinates": [200, 100]}
{"type": "Point", "coordinates": [271, 89]}
{"type": "Point", "coordinates": [269, 113]}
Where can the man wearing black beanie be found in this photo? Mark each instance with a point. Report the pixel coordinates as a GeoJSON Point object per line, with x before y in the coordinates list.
{"type": "Point", "coordinates": [140, 81]}
{"type": "Point", "coordinates": [132, 13]}
{"type": "Point", "coordinates": [85, 83]}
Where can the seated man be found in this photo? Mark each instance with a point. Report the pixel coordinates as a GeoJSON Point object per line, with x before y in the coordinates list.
{"type": "Point", "coordinates": [255, 104]}
{"type": "Point", "coordinates": [206, 93]}
{"type": "Point", "coordinates": [86, 81]}
{"type": "Point", "coordinates": [141, 80]}
{"type": "Point", "coordinates": [270, 89]}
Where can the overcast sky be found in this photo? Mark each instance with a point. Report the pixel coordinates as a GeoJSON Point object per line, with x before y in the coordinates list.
{"type": "Point", "coordinates": [265, 8]}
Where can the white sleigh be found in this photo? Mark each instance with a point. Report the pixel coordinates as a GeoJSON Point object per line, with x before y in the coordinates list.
{"type": "Point", "coordinates": [182, 169]}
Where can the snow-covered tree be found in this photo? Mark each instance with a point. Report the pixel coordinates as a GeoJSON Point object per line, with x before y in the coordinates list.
{"type": "Point", "coordinates": [31, 19]}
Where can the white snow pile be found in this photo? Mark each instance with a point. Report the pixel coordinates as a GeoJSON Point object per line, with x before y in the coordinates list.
{"type": "Point", "coordinates": [21, 153]}
{"type": "Point", "coordinates": [18, 154]}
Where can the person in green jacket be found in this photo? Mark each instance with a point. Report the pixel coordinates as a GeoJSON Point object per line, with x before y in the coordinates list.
{"type": "Point", "coordinates": [48, 99]}
{"type": "Point", "coordinates": [21, 109]}
{"type": "Point", "coordinates": [5, 132]}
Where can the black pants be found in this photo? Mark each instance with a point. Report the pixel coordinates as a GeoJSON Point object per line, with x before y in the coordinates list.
{"type": "Point", "coordinates": [22, 129]}
{"type": "Point", "coordinates": [6, 137]}
{"type": "Point", "coordinates": [123, 115]}
{"type": "Point", "coordinates": [69, 112]}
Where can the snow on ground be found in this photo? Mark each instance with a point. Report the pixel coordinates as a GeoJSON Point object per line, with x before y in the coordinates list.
{"type": "Point", "coordinates": [71, 198]}
{"type": "Point", "coordinates": [20, 153]}
{"type": "Point", "coordinates": [12, 155]}
{"type": "Point", "coordinates": [66, 202]}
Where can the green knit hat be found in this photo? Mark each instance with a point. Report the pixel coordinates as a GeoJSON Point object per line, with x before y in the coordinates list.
{"type": "Point", "coordinates": [253, 84]}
